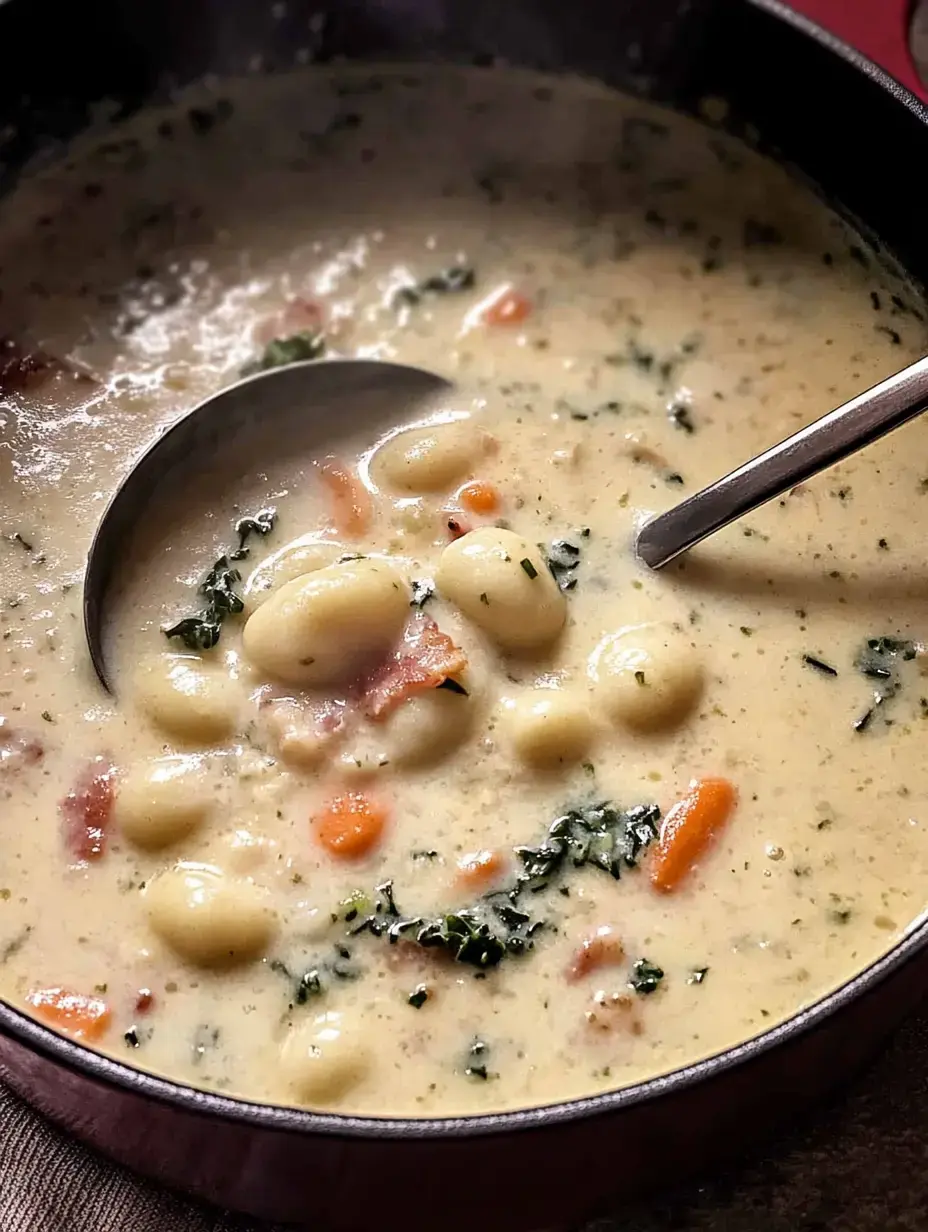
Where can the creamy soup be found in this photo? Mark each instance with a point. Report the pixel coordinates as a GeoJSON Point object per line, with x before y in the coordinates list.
{"type": "Point", "coordinates": [416, 794]}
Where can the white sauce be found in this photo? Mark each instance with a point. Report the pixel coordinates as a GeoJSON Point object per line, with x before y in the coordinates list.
{"type": "Point", "coordinates": [681, 318]}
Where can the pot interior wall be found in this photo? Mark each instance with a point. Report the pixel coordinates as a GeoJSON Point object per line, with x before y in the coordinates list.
{"type": "Point", "coordinates": [838, 125]}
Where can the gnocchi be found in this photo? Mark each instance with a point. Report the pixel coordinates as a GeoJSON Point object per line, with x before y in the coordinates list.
{"type": "Point", "coordinates": [647, 676]}
{"type": "Point", "coordinates": [209, 918]}
{"type": "Point", "coordinates": [323, 628]}
{"type": "Point", "coordinates": [293, 560]}
{"type": "Point", "coordinates": [162, 801]}
{"type": "Point", "coordinates": [322, 1059]}
{"type": "Point", "coordinates": [187, 697]}
{"type": "Point", "coordinates": [501, 582]}
{"type": "Point", "coordinates": [549, 727]}
{"type": "Point", "coordinates": [428, 459]}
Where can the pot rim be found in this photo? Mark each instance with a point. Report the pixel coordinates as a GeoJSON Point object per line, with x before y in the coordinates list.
{"type": "Point", "coordinates": [18, 1026]}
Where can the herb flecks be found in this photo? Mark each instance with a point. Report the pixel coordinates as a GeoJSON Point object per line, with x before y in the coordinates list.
{"type": "Point", "coordinates": [218, 588]}
{"type": "Point", "coordinates": [295, 349]}
{"type": "Point", "coordinates": [476, 1066]}
{"type": "Point", "coordinates": [819, 665]}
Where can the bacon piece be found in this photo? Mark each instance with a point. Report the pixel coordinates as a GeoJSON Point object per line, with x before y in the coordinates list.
{"type": "Point", "coordinates": [424, 659]}
{"type": "Point", "coordinates": [17, 751]}
{"type": "Point", "coordinates": [22, 368]}
{"type": "Point", "coordinates": [144, 1000]}
{"type": "Point", "coordinates": [603, 948]}
{"type": "Point", "coordinates": [298, 316]}
{"type": "Point", "coordinates": [456, 525]}
{"type": "Point", "coordinates": [86, 811]}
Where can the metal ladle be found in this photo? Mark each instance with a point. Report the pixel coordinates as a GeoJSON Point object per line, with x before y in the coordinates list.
{"type": "Point", "coordinates": [282, 401]}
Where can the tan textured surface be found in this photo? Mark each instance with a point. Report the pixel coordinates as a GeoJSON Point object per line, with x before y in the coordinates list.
{"type": "Point", "coordinates": [859, 1166]}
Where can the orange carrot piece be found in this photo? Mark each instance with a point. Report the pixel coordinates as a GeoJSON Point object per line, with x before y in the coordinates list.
{"type": "Point", "coordinates": [478, 496]}
{"type": "Point", "coordinates": [689, 829]}
{"type": "Point", "coordinates": [509, 308]}
{"type": "Point", "coordinates": [72, 1013]}
{"type": "Point", "coordinates": [601, 949]}
{"type": "Point", "coordinates": [352, 508]}
{"type": "Point", "coordinates": [350, 825]}
{"type": "Point", "coordinates": [479, 868]}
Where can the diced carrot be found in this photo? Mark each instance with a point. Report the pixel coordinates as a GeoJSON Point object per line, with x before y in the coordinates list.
{"type": "Point", "coordinates": [480, 868]}
{"type": "Point", "coordinates": [350, 825]}
{"type": "Point", "coordinates": [478, 496]}
{"type": "Point", "coordinates": [85, 1018]}
{"type": "Point", "coordinates": [603, 948]}
{"type": "Point", "coordinates": [689, 829]}
{"type": "Point", "coordinates": [352, 508]}
{"type": "Point", "coordinates": [509, 308]}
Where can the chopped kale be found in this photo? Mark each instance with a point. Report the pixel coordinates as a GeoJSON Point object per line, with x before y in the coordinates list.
{"type": "Point", "coordinates": [529, 568]}
{"type": "Point", "coordinates": [446, 282]}
{"type": "Point", "coordinates": [423, 589]}
{"type": "Point", "coordinates": [418, 997]}
{"type": "Point", "coordinates": [452, 686]}
{"type": "Point", "coordinates": [879, 660]}
{"type": "Point", "coordinates": [563, 560]}
{"type": "Point", "coordinates": [697, 975]}
{"type": "Point", "coordinates": [202, 631]}
{"type": "Point", "coordinates": [646, 977]}
{"type": "Point", "coordinates": [679, 415]}
{"type": "Point", "coordinates": [280, 352]}
{"type": "Point", "coordinates": [498, 925]}
{"type": "Point", "coordinates": [476, 1061]}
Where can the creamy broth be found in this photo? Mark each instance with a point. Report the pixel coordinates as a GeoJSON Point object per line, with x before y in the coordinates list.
{"type": "Point", "coordinates": [629, 306]}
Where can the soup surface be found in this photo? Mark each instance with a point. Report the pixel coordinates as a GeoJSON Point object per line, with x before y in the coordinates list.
{"type": "Point", "coordinates": [432, 800]}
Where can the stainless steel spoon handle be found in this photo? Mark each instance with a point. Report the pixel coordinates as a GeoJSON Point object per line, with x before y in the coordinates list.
{"type": "Point", "coordinates": [823, 443]}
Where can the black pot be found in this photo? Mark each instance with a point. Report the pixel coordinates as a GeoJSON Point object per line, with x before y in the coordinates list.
{"type": "Point", "coordinates": [841, 123]}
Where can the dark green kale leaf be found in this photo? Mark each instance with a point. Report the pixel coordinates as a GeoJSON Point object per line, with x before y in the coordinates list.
{"type": "Point", "coordinates": [293, 350]}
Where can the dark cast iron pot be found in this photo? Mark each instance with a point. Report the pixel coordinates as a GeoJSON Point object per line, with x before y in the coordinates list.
{"type": "Point", "coordinates": [862, 139]}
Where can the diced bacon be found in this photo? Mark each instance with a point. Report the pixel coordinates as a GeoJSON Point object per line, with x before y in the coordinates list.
{"type": "Point", "coordinates": [22, 367]}
{"type": "Point", "coordinates": [456, 525]}
{"type": "Point", "coordinates": [298, 316]}
{"type": "Point", "coordinates": [86, 811]}
{"type": "Point", "coordinates": [144, 1000]}
{"type": "Point", "coordinates": [424, 659]}
{"type": "Point", "coordinates": [17, 750]}
{"type": "Point", "coordinates": [603, 948]}
{"type": "Point", "coordinates": [303, 730]}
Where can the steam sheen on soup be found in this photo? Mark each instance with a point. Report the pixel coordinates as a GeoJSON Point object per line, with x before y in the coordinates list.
{"type": "Point", "coordinates": [417, 794]}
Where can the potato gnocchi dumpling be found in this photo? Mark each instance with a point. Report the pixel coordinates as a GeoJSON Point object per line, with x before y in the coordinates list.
{"type": "Point", "coordinates": [322, 1059]}
{"type": "Point", "coordinates": [323, 628]}
{"type": "Point", "coordinates": [548, 727]}
{"type": "Point", "coordinates": [209, 918]}
{"type": "Point", "coordinates": [187, 696]}
{"type": "Point", "coordinates": [647, 677]}
{"type": "Point", "coordinates": [293, 560]}
{"type": "Point", "coordinates": [428, 459]}
{"type": "Point", "coordinates": [501, 582]}
{"type": "Point", "coordinates": [159, 802]}
{"type": "Point", "coordinates": [428, 726]}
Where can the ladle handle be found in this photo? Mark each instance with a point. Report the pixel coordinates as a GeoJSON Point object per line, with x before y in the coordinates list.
{"type": "Point", "coordinates": [823, 443]}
